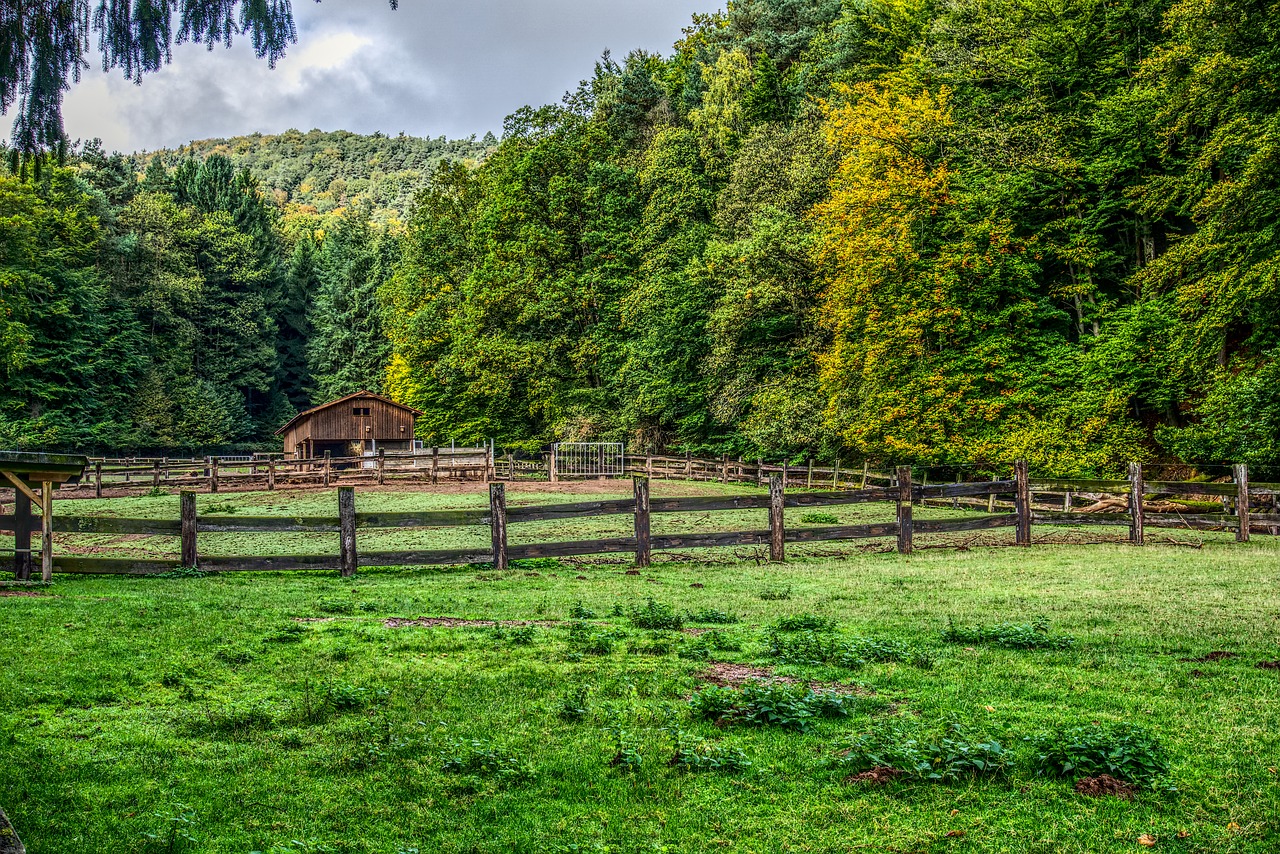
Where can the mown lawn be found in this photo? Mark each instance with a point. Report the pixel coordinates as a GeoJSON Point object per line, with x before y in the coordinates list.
{"type": "Point", "coordinates": [281, 712]}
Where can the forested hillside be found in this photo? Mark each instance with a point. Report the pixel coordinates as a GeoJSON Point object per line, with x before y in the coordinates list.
{"type": "Point", "coordinates": [324, 171]}
{"type": "Point", "coordinates": [944, 233]}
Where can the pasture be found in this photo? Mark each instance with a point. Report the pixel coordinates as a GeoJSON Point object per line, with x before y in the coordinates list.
{"type": "Point", "coordinates": [713, 702]}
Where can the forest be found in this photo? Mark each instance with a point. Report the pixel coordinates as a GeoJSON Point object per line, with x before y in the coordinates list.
{"type": "Point", "coordinates": [944, 233]}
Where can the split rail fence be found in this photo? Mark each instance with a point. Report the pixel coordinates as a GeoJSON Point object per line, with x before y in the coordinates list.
{"type": "Point", "coordinates": [1008, 503]}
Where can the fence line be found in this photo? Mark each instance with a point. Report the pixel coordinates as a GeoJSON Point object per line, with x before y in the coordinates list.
{"type": "Point", "coordinates": [904, 494]}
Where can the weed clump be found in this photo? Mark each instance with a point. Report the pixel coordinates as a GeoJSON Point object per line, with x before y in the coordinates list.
{"type": "Point", "coordinates": [805, 622]}
{"type": "Point", "coordinates": [952, 756]}
{"type": "Point", "coordinates": [575, 705]}
{"type": "Point", "coordinates": [286, 633]}
{"type": "Point", "coordinates": [655, 615]}
{"type": "Point", "coordinates": [711, 616]}
{"type": "Point", "coordinates": [776, 594]}
{"type": "Point", "coordinates": [482, 758]}
{"type": "Point", "coordinates": [1124, 751]}
{"type": "Point", "coordinates": [811, 648]}
{"type": "Point", "coordinates": [777, 704]}
{"type": "Point", "coordinates": [1033, 635]}
{"type": "Point", "coordinates": [820, 519]}
{"type": "Point", "coordinates": [335, 605]}
{"type": "Point", "coordinates": [581, 612]}
{"type": "Point", "coordinates": [699, 755]}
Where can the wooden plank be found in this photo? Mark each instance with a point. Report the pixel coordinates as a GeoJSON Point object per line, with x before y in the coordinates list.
{"type": "Point", "coordinates": [498, 524]}
{"type": "Point", "coordinates": [189, 529]}
{"type": "Point", "coordinates": [110, 525]}
{"type": "Point", "coordinates": [1057, 517]}
{"type": "Point", "coordinates": [1241, 473]}
{"type": "Point", "coordinates": [905, 526]}
{"type": "Point", "coordinates": [974, 523]}
{"type": "Point", "coordinates": [777, 530]}
{"type": "Point", "coordinates": [347, 529]}
{"type": "Point", "coordinates": [536, 513]}
{"type": "Point", "coordinates": [1136, 534]}
{"type": "Point", "coordinates": [1198, 521]}
{"type": "Point", "coordinates": [843, 532]}
{"type": "Point", "coordinates": [46, 531]}
{"type": "Point", "coordinates": [1165, 487]}
{"type": "Point", "coordinates": [961, 490]}
{"type": "Point", "coordinates": [1115, 487]}
{"type": "Point", "coordinates": [21, 486]}
{"type": "Point", "coordinates": [1022, 502]}
{"type": "Point", "coordinates": [643, 553]}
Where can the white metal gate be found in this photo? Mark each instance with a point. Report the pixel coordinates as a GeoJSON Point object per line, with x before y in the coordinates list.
{"type": "Point", "coordinates": [589, 459]}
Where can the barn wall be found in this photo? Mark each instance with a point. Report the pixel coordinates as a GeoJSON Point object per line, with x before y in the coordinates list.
{"type": "Point", "coordinates": [339, 423]}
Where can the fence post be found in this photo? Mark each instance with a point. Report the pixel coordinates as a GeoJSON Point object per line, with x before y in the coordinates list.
{"type": "Point", "coordinates": [991, 499]}
{"type": "Point", "coordinates": [866, 466]}
{"type": "Point", "coordinates": [759, 471]}
{"type": "Point", "coordinates": [835, 475]}
{"type": "Point", "coordinates": [724, 468]}
{"type": "Point", "coordinates": [271, 474]}
{"type": "Point", "coordinates": [777, 536]}
{"type": "Point", "coordinates": [498, 524]}
{"type": "Point", "coordinates": [1137, 520]}
{"type": "Point", "coordinates": [648, 466]}
{"type": "Point", "coordinates": [327, 467]}
{"type": "Point", "coordinates": [190, 557]}
{"type": "Point", "coordinates": [347, 529]}
{"type": "Point", "coordinates": [808, 481]}
{"type": "Point", "coordinates": [97, 478]}
{"type": "Point", "coordinates": [213, 474]}
{"type": "Point", "coordinates": [435, 465]}
{"type": "Point", "coordinates": [905, 524]}
{"type": "Point", "coordinates": [128, 465]}
{"type": "Point", "coordinates": [382, 466]}
{"type": "Point", "coordinates": [553, 465]}
{"type": "Point", "coordinates": [785, 474]}
{"type": "Point", "coordinates": [1022, 503]}
{"type": "Point", "coordinates": [643, 554]}
{"type": "Point", "coordinates": [155, 475]}
{"type": "Point", "coordinates": [1241, 473]}
{"type": "Point", "coordinates": [688, 465]}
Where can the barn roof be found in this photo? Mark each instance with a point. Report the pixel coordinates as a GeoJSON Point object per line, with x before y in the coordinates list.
{"type": "Point", "coordinates": [308, 412]}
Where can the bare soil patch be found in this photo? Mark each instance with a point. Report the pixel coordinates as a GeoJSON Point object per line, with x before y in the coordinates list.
{"type": "Point", "coordinates": [457, 623]}
{"type": "Point", "coordinates": [1268, 665]}
{"type": "Point", "coordinates": [7, 592]}
{"type": "Point", "coordinates": [878, 776]}
{"type": "Point", "coordinates": [727, 674]}
{"type": "Point", "coordinates": [1216, 655]}
{"type": "Point", "coordinates": [1104, 785]}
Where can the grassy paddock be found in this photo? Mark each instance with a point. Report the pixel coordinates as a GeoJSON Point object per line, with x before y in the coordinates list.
{"type": "Point", "coordinates": [201, 714]}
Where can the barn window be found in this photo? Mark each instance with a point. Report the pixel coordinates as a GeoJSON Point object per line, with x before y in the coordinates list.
{"type": "Point", "coordinates": [360, 410]}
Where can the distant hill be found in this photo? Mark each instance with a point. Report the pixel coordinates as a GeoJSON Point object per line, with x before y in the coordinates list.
{"type": "Point", "coordinates": [327, 170]}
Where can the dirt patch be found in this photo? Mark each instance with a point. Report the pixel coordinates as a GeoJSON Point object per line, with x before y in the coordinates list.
{"type": "Point", "coordinates": [1268, 665]}
{"type": "Point", "coordinates": [458, 623]}
{"type": "Point", "coordinates": [695, 631]}
{"type": "Point", "coordinates": [5, 592]}
{"type": "Point", "coordinates": [314, 619]}
{"type": "Point", "coordinates": [1216, 655]}
{"type": "Point", "coordinates": [727, 674]}
{"type": "Point", "coordinates": [878, 776]}
{"type": "Point", "coordinates": [1104, 785]}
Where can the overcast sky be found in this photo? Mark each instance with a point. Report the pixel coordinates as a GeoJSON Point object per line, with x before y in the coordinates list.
{"type": "Point", "coordinates": [429, 69]}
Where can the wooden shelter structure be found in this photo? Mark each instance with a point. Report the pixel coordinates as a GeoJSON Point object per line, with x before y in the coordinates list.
{"type": "Point", "coordinates": [34, 477]}
{"type": "Point", "coordinates": [357, 425]}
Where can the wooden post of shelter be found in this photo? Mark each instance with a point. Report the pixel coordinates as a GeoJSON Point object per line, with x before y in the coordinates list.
{"type": "Point", "coordinates": [1137, 519]}
{"type": "Point", "coordinates": [777, 534]}
{"type": "Point", "coordinates": [498, 524]}
{"type": "Point", "coordinates": [641, 487]}
{"type": "Point", "coordinates": [190, 558]}
{"type": "Point", "coordinates": [22, 524]}
{"type": "Point", "coordinates": [46, 531]}
{"type": "Point", "coordinates": [906, 527]}
{"type": "Point", "coordinates": [347, 529]}
{"type": "Point", "coordinates": [1241, 473]}
{"type": "Point", "coordinates": [1022, 503]}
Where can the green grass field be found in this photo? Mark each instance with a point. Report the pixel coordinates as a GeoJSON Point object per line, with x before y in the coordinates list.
{"type": "Point", "coordinates": [283, 713]}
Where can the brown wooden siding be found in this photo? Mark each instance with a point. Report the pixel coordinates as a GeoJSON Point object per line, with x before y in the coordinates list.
{"type": "Point", "coordinates": [386, 422]}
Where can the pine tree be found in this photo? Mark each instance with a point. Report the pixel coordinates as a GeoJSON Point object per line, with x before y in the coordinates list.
{"type": "Point", "coordinates": [301, 287]}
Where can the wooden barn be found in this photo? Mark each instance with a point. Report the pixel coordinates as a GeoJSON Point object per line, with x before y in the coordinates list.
{"type": "Point", "coordinates": [356, 425]}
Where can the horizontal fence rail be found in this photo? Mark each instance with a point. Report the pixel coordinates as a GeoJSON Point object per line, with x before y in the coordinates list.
{"type": "Point", "coordinates": [998, 504]}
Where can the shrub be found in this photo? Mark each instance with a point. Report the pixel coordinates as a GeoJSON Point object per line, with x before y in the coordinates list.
{"type": "Point", "coordinates": [483, 758]}
{"type": "Point", "coordinates": [576, 704]}
{"type": "Point", "coordinates": [769, 704]}
{"type": "Point", "coordinates": [524, 636]}
{"type": "Point", "coordinates": [1033, 635]}
{"type": "Point", "coordinates": [712, 616]}
{"type": "Point", "coordinates": [820, 519]}
{"type": "Point", "coordinates": [655, 615]}
{"type": "Point", "coordinates": [1125, 751]}
{"type": "Point", "coordinates": [776, 594]}
{"type": "Point", "coordinates": [335, 605]}
{"type": "Point", "coordinates": [805, 622]}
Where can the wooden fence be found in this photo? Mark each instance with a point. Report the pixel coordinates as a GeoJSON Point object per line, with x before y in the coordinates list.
{"type": "Point", "coordinates": [1000, 503]}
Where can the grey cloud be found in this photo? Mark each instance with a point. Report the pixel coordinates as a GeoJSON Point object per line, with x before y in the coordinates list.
{"type": "Point", "coordinates": [428, 69]}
